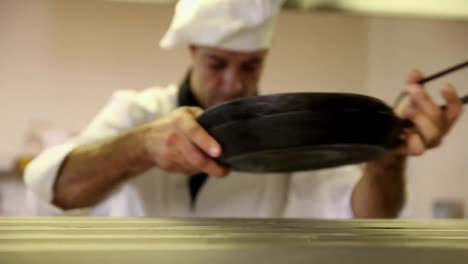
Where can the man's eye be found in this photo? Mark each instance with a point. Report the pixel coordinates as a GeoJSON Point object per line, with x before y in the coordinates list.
{"type": "Point", "coordinates": [216, 66]}
{"type": "Point", "coordinates": [249, 68]}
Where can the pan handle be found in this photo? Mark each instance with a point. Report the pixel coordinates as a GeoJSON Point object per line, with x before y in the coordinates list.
{"type": "Point", "coordinates": [433, 77]}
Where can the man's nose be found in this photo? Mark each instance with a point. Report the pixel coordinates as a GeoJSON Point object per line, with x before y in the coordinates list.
{"type": "Point", "coordinates": [232, 83]}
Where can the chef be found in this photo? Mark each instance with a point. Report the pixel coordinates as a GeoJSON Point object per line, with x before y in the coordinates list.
{"type": "Point", "coordinates": [144, 154]}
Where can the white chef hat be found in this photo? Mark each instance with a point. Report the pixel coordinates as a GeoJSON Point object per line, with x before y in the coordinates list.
{"type": "Point", "coordinates": [240, 25]}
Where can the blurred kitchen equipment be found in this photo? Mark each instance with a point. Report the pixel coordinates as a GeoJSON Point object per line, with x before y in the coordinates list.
{"type": "Point", "coordinates": [447, 208]}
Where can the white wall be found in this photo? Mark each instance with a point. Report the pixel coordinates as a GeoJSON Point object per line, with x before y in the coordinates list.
{"type": "Point", "coordinates": [60, 60]}
{"type": "Point", "coordinates": [318, 52]}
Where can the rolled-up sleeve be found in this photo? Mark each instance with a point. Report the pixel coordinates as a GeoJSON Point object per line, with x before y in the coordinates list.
{"type": "Point", "coordinates": [41, 173]}
{"type": "Point", "coordinates": [40, 177]}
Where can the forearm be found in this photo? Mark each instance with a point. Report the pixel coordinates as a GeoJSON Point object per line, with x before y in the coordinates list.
{"type": "Point", "coordinates": [90, 172]}
{"type": "Point", "coordinates": [381, 191]}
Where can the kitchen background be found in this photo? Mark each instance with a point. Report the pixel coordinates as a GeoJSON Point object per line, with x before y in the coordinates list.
{"type": "Point", "coordinates": [61, 60]}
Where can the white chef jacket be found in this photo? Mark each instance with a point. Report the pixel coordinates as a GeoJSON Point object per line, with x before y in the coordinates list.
{"type": "Point", "coordinates": [155, 193]}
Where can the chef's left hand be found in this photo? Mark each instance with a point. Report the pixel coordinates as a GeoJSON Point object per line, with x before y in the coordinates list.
{"type": "Point", "coordinates": [431, 123]}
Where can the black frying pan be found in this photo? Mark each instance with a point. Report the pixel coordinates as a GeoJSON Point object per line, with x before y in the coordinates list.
{"type": "Point", "coordinates": [304, 131]}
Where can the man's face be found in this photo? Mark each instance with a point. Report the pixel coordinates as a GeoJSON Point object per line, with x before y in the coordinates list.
{"type": "Point", "coordinates": [221, 75]}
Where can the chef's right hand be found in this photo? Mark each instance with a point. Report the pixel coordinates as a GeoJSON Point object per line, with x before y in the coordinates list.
{"type": "Point", "coordinates": [177, 143]}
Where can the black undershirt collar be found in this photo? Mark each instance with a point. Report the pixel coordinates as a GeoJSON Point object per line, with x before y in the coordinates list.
{"type": "Point", "coordinates": [187, 98]}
